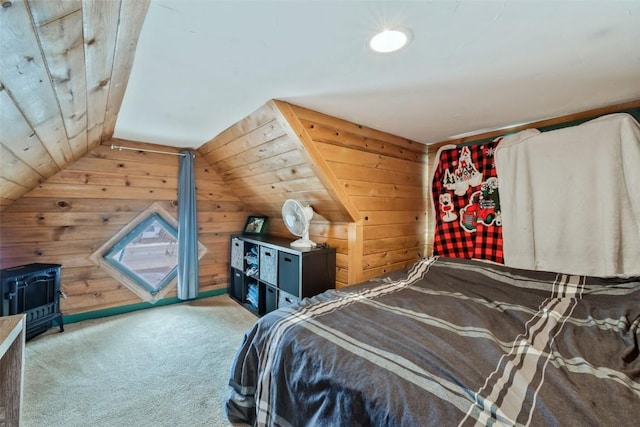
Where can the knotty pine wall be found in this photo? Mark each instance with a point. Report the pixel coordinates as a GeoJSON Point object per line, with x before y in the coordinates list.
{"type": "Point", "coordinates": [73, 213]}
{"type": "Point", "coordinates": [383, 176]}
{"type": "Point", "coordinates": [365, 186]}
{"type": "Point", "coordinates": [265, 164]}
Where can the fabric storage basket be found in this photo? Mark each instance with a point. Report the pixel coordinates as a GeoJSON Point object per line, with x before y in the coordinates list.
{"type": "Point", "coordinates": [237, 253]}
{"type": "Point", "coordinates": [268, 265]}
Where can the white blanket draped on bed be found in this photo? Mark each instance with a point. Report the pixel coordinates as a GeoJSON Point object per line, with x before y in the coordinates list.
{"type": "Point", "coordinates": [571, 198]}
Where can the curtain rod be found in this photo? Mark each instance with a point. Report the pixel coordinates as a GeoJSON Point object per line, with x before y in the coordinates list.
{"type": "Point", "coordinates": [120, 147]}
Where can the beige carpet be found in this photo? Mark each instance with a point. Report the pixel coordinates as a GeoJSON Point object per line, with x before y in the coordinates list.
{"type": "Point", "coordinates": [164, 366]}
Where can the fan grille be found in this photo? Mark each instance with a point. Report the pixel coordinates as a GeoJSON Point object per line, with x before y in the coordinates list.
{"type": "Point", "coordinates": [294, 218]}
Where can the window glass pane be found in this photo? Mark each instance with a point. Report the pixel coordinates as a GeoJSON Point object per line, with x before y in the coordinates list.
{"type": "Point", "coordinates": [148, 254]}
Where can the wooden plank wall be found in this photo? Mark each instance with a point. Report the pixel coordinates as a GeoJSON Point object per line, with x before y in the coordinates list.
{"type": "Point", "coordinates": [383, 176]}
{"type": "Point", "coordinates": [66, 218]}
{"type": "Point", "coordinates": [365, 186]}
{"type": "Point", "coordinates": [583, 115]}
{"type": "Point", "coordinates": [369, 190]}
{"type": "Point", "coordinates": [264, 165]}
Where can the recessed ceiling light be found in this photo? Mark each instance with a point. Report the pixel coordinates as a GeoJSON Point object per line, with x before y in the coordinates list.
{"type": "Point", "coordinates": [388, 41]}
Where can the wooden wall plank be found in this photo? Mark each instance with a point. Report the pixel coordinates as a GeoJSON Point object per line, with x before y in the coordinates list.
{"type": "Point", "coordinates": [416, 217]}
{"type": "Point", "coordinates": [343, 170]}
{"type": "Point", "coordinates": [67, 218]}
{"type": "Point", "coordinates": [79, 287]}
{"type": "Point", "coordinates": [75, 177]}
{"type": "Point", "coordinates": [281, 175]}
{"type": "Point", "coordinates": [362, 132]}
{"type": "Point", "coordinates": [100, 191]}
{"type": "Point", "coordinates": [98, 300]}
{"type": "Point", "coordinates": [350, 171]}
{"type": "Point", "coordinates": [257, 154]}
{"type": "Point", "coordinates": [411, 228]}
{"type": "Point", "coordinates": [284, 188]}
{"type": "Point", "coordinates": [29, 253]}
{"type": "Point", "coordinates": [310, 197]}
{"type": "Point", "coordinates": [23, 233]}
{"type": "Point", "coordinates": [132, 167]}
{"type": "Point", "coordinates": [414, 243]}
{"type": "Point", "coordinates": [366, 203]}
{"type": "Point", "coordinates": [76, 203]}
{"type": "Point", "coordinates": [289, 163]}
{"type": "Point", "coordinates": [370, 273]}
{"type": "Point", "coordinates": [113, 152]}
{"type": "Point", "coordinates": [253, 121]}
{"type": "Point", "coordinates": [339, 137]}
{"type": "Point", "coordinates": [66, 260]}
{"type": "Point", "coordinates": [290, 122]}
{"type": "Point", "coordinates": [344, 154]}
{"type": "Point", "coordinates": [404, 255]}
{"type": "Point", "coordinates": [380, 175]}
{"type": "Point", "coordinates": [264, 133]}
{"type": "Point", "coordinates": [365, 188]}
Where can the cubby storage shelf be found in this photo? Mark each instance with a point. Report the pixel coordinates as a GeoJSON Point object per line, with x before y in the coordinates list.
{"type": "Point", "coordinates": [266, 273]}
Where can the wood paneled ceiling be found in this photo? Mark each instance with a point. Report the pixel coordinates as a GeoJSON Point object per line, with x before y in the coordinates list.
{"type": "Point", "coordinates": [64, 68]}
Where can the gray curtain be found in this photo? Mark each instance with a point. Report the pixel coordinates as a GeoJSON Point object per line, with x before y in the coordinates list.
{"type": "Point", "coordinates": [187, 229]}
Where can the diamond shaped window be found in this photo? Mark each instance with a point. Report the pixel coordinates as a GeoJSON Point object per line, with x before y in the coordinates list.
{"type": "Point", "coordinates": [147, 254]}
{"type": "Point", "coordinates": [144, 255]}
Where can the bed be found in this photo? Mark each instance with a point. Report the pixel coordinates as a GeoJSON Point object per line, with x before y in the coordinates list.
{"type": "Point", "coordinates": [456, 341]}
{"type": "Point", "coordinates": [447, 341]}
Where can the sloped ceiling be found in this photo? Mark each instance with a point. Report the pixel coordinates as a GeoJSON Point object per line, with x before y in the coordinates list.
{"type": "Point", "coordinates": [472, 65]}
{"type": "Point", "coordinates": [64, 68]}
{"type": "Point", "coordinates": [201, 66]}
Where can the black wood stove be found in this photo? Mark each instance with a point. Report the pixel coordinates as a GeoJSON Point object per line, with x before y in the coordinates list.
{"type": "Point", "coordinates": [33, 289]}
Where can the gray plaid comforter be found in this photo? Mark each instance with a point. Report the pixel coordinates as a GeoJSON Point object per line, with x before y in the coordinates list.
{"type": "Point", "coordinates": [447, 342]}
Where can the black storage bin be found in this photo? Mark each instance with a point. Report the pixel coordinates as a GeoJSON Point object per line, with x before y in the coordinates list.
{"type": "Point", "coordinates": [289, 273]}
{"type": "Point", "coordinates": [271, 299]}
{"type": "Point", "coordinates": [237, 288]}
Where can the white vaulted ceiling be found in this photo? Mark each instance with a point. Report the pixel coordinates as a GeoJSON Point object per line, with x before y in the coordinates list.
{"type": "Point", "coordinates": [203, 65]}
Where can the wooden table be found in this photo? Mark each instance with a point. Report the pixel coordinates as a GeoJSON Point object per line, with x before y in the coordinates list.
{"type": "Point", "coordinates": [12, 339]}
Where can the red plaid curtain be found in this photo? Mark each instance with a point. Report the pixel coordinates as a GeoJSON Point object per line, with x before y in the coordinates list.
{"type": "Point", "coordinates": [467, 203]}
